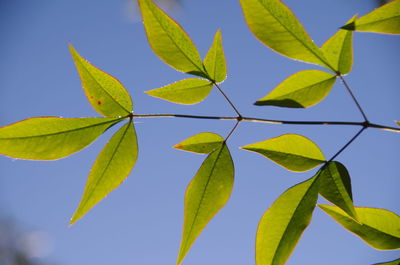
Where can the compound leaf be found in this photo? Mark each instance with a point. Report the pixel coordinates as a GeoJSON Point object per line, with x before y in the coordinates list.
{"type": "Point", "coordinates": [379, 228]}
{"type": "Point", "coordinates": [104, 92]}
{"type": "Point", "coordinates": [169, 41]}
{"type": "Point", "coordinates": [335, 186]}
{"type": "Point", "coordinates": [339, 50]}
{"type": "Point", "coordinates": [50, 138]}
{"type": "Point", "coordinates": [206, 194]}
{"type": "Point", "coordinates": [393, 262]}
{"type": "Point", "coordinates": [385, 19]}
{"type": "Point", "coordinates": [301, 90]}
{"type": "Point", "coordinates": [111, 168]}
{"type": "Point", "coordinates": [291, 151]}
{"type": "Point", "coordinates": [284, 222]}
{"type": "Point", "coordinates": [274, 24]}
{"type": "Point", "coordinates": [203, 143]}
{"type": "Point", "coordinates": [187, 91]}
{"type": "Point", "coordinates": [215, 62]}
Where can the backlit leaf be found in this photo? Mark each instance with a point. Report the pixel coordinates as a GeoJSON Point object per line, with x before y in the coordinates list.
{"type": "Point", "coordinates": [379, 228]}
{"type": "Point", "coordinates": [393, 262]}
{"type": "Point", "coordinates": [206, 194]}
{"type": "Point", "coordinates": [49, 138]}
{"type": "Point", "coordinates": [105, 93]}
{"type": "Point", "coordinates": [276, 26]}
{"type": "Point", "coordinates": [335, 186]}
{"type": "Point", "coordinates": [301, 90]}
{"type": "Point", "coordinates": [284, 222]}
{"type": "Point", "coordinates": [111, 168]}
{"type": "Point", "coordinates": [203, 143]}
{"type": "Point", "coordinates": [187, 91]}
{"type": "Point", "coordinates": [169, 41]}
{"type": "Point", "coordinates": [215, 62]}
{"type": "Point", "coordinates": [291, 151]}
{"type": "Point", "coordinates": [339, 50]}
{"type": "Point", "coordinates": [385, 19]}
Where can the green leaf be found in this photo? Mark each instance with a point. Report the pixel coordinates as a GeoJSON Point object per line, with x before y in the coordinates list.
{"type": "Point", "coordinates": [276, 26]}
{"type": "Point", "coordinates": [339, 50]}
{"type": "Point", "coordinates": [385, 19]}
{"type": "Point", "coordinates": [111, 168]}
{"type": "Point", "coordinates": [49, 138]}
{"type": "Point", "coordinates": [169, 41]}
{"type": "Point", "coordinates": [284, 222]}
{"type": "Point", "coordinates": [215, 62]}
{"type": "Point", "coordinates": [301, 90]}
{"type": "Point", "coordinates": [206, 194]}
{"type": "Point", "coordinates": [104, 92]}
{"type": "Point", "coordinates": [379, 228]}
{"type": "Point", "coordinates": [187, 91]}
{"type": "Point", "coordinates": [203, 143]}
{"type": "Point", "coordinates": [291, 151]}
{"type": "Point", "coordinates": [335, 186]}
{"type": "Point", "coordinates": [393, 262]}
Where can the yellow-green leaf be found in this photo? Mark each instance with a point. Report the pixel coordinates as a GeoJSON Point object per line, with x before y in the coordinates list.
{"type": "Point", "coordinates": [187, 91]}
{"type": "Point", "coordinates": [335, 186]}
{"type": "Point", "coordinates": [379, 228]}
{"type": "Point", "coordinates": [393, 262]}
{"type": "Point", "coordinates": [274, 24]}
{"type": "Point", "coordinates": [338, 50]}
{"type": "Point", "coordinates": [203, 143]}
{"type": "Point", "coordinates": [49, 138]}
{"type": "Point", "coordinates": [111, 168]}
{"type": "Point", "coordinates": [301, 90]}
{"type": "Point", "coordinates": [169, 41]}
{"type": "Point", "coordinates": [104, 92]}
{"type": "Point", "coordinates": [385, 19]}
{"type": "Point", "coordinates": [206, 194]}
{"type": "Point", "coordinates": [284, 222]}
{"type": "Point", "coordinates": [215, 62]}
{"type": "Point", "coordinates": [291, 151]}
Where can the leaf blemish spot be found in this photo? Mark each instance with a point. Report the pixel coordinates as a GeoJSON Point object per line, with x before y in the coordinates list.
{"type": "Point", "coordinates": [99, 102]}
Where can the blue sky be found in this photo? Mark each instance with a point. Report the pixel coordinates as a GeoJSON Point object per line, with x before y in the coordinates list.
{"type": "Point", "coordinates": [140, 222]}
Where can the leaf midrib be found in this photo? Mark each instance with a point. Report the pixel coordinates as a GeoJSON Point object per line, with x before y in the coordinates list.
{"type": "Point", "coordinates": [296, 155]}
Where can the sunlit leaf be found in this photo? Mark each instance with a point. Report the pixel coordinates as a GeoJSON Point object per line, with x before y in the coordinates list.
{"type": "Point", "coordinates": [206, 194]}
{"type": "Point", "coordinates": [385, 19]}
{"type": "Point", "coordinates": [105, 93]}
{"type": "Point", "coordinates": [301, 90]}
{"type": "Point", "coordinates": [393, 262]}
{"type": "Point", "coordinates": [49, 138]}
{"type": "Point", "coordinates": [284, 222]}
{"type": "Point", "coordinates": [203, 143]}
{"type": "Point", "coordinates": [111, 168]}
{"type": "Point", "coordinates": [291, 151]}
{"type": "Point", "coordinates": [187, 91]}
{"type": "Point", "coordinates": [276, 26]}
{"type": "Point", "coordinates": [335, 186]}
{"type": "Point", "coordinates": [379, 228]}
{"type": "Point", "coordinates": [339, 50]}
{"type": "Point", "coordinates": [169, 41]}
{"type": "Point", "coordinates": [215, 62]}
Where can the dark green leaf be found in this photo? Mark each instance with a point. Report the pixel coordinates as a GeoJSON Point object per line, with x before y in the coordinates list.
{"type": "Point", "coordinates": [187, 91]}
{"type": "Point", "coordinates": [385, 19]}
{"type": "Point", "coordinates": [284, 222]}
{"type": "Point", "coordinates": [206, 194]}
{"type": "Point", "coordinates": [203, 143]}
{"type": "Point", "coordinates": [291, 151]}
{"type": "Point", "coordinates": [393, 262]}
{"type": "Point", "coordinates": [335, 186]}
{"type": "Point", "coordinates": [169, 41]}
{"type": "Point", "coordinates": [49, 138]}
{"type": "Point", "coordinates": [339, 50]}
{"type": "Point", "coordinates": [276, 26]}
{"type": "Point", "coordinates": [301, 90]}
{"type": "Point", "coordinates": [379, 228]}
{"type": "Point", "coordinates": [105, 93]}
{"type": "Point", "coordinates": [214, 62]}
{"type": "Point", "coordinates": [111, 168]}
